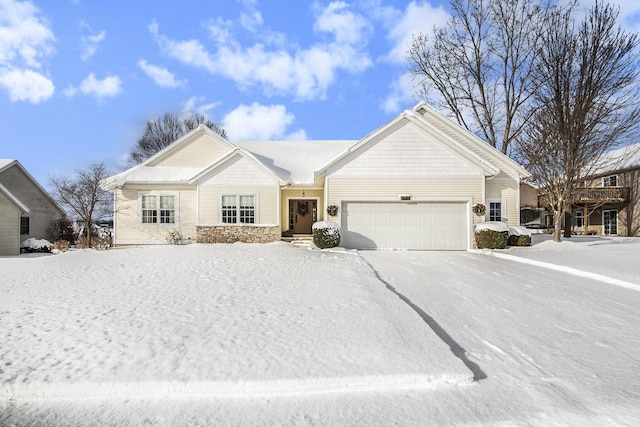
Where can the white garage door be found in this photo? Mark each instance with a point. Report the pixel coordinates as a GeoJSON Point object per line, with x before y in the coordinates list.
{"type": "Point", "coordinates": [401, 225]}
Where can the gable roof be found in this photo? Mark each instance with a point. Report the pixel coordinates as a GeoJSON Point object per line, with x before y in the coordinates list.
{"type": "Point", "coordinates": [410, 116]}
{"type": "Point", "coordinates": [5, 164]}
{"type": "Point", "coordinates": [621, 159]}
{"type": "Point", "coordinates": [14, 199]}
{"type": "Point", "coordinates": [436, 119]}
{"type": "Point", "coordinates": [237, 152]}
{"type": "Point", "coordinates": [303, 162]}
{"type": "Point", "coordinates": [185, 140]}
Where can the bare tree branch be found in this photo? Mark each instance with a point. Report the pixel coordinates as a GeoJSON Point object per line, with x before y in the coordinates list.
{"type": "Point", "coordinates": [162, 131]}
{"type": "Point", "coordinates": [83, 195]}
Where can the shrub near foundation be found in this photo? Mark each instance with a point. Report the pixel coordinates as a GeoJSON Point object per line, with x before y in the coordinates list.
{"type": "Point", "coordinates": [326, 234]}
{"type": "Point", "coordinates": [492, 235]}
{"type": "Point", "coordinates": [519, 236]}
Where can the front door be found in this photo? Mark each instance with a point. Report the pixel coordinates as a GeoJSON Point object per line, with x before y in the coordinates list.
{"type": "Point", "coordinates": [302, 215]}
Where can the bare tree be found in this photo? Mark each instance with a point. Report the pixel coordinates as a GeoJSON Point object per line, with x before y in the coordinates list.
{"type": "Point", "coordinates": [479, 65]}
{"type": "Point", "coordinates": [586, 102]}
{"type": "Point", "coordinates": [162, 131]}
{"type": "Point", "coordinates": [83, 195]}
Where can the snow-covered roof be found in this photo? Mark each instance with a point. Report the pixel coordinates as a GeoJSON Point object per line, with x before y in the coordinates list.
{"type": "Point", "coordinates": [616, 160]}
{"type": "Point", "coordinates": [154, 174]}
{"type": "Point", "coordinates": [295, 161]}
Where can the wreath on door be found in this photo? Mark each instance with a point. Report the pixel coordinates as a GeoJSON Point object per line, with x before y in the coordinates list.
{"type": "Point", "coordinates": [303, 208]}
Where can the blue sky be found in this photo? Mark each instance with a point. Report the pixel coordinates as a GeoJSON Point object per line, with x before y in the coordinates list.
{"type": "Point", "coordinates": [80, 78]}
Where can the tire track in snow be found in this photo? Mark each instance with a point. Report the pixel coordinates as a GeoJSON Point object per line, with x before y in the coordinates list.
{"type": "Point", "coordinates": [457, 350]}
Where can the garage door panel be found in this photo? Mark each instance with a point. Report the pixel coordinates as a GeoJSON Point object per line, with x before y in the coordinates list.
{"type": "Point", "coordinates": [422, 225]}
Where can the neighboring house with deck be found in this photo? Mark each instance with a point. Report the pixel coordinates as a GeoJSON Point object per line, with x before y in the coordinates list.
{"type": "Point", "coordinates": [410, 184]}
{"type": "Point", "coordinates": [608, 200]}
{"type": "Point", "coordinates": [26, 209]}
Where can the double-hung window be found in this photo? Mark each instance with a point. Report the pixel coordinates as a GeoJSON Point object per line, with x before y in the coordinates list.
{"type": "Point", "coordinates": [495, 211]}
{"type": "Point", "coordinates": [158, 208]}
{"type": "Point", "coordinates": [238, 209]}
{"type": "Point", "coordinates": [610, 181]}
{"type": "Point", "coordinates": [24, 225]}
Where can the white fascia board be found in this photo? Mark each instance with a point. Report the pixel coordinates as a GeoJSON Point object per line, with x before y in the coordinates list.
{"type": "Point", "coordinates": [484, 146]}
{"type": "Point", "coordinates": [222, 161]}
{"type": "Point", "coordinates": [36, 183]}
{"type": "Point", "coordinates": [358, 145]}
{"type": "Point", "coordinates": [14, 199]}
{"type": "Point", "coordinates": [489, 168]}
{"type": "Point", "coordinates": [186, 138]}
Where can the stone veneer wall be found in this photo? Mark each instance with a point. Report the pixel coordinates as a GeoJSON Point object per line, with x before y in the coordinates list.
{"type": "Point", "coordinates": [237, 233]}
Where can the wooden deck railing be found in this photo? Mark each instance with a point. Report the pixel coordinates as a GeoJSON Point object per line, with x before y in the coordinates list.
{"type": "Point", "coordinates": [596, 195]}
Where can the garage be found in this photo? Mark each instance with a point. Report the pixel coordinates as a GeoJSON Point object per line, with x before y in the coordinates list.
{"type": "Point", "coordinates": [405, 225]}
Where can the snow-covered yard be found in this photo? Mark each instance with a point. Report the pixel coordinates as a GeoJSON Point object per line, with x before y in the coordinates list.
{"type": "Point", "coordinates": [276, 335]}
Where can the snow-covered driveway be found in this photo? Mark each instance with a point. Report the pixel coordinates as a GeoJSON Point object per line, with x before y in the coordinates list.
{"type": "Point", "coordinates": [555, 348]}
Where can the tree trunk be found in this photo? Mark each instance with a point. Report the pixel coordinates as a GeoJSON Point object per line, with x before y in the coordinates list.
{"type": "Point", "coordinates": [557, 231]}
{"type": "Point", "coordinates": [567, 224]}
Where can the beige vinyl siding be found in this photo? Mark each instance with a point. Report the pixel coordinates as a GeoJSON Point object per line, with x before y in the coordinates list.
{"type": "Point", "coordinates": [407, 152]}
{"type": "Point", "coordinates": [199, 153]}
{"type": "Point", "coordinates": [506, 190]}
{"type": "Point", "coordinates": [209, 203]}
{"type": "Point", "coordinates": [239, 171]}
{"type": "Point", "coordinates": [377, 189]}
{"type": "Point", "coordinates": [310, 194]}
{"type": "Point", "coordinates": [41, 209]}
{"type": "Point", "coordinates": [9, 227]}
{"type": "Point", "coordinates": [463, 136]}
{"type": "Point", "coordinates": [129, 227]}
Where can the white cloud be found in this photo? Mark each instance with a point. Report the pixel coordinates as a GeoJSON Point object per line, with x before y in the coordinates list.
{"type": "Point", "coordinates": [89, 43]}
{"type": "Point", "coordinates": [25, 39]}
{"type": "Point", "coordinates": [262, 122]}
{"type": "Point", "coordinates": [303, 73]}
{"type": "Point", "coordinates": [402, 25]}
{"type": "Point", "coordinates": [27, 85]}
{"type": "Point", "coordinates": [24, 36]}
{"type": "Point", "coordinates": [162, 76]}
{"type": "Point", "coordinates": [108, 87]}
{"type": "Point", "coordinates": [400, 96]}
{"type": "Point", "coordinates": [347, 26]}
{"type": "Point", "coordinates": [195, 105]}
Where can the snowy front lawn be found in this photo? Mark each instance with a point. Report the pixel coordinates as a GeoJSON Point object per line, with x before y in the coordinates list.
{"type": "Point", "coordinates": [208, 321]}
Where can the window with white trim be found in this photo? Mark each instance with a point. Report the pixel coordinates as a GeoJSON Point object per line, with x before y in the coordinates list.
{"type": "Point", "coordinates": [495, 211]}
{"type": "Point", "coordinates": [610, 181]}
{"type": "Point", "coordinates": [238, 209]}
{"type": "Point", "coordinates": [158, 208]}
{"type": "Point", "coordinates": [579, 216]}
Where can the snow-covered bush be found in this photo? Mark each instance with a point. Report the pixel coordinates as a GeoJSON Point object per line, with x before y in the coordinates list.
{"type": "Point", "coordinates": [519, 236]}
{"type": "Point", "coordinates": [35, 245]}
{"type": "Point", "coordinates": [326, 234]}
{"type": "Point", "coordinates": [492, 235]}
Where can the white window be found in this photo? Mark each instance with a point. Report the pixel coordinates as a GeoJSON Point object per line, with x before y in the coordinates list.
{"type": "Point", "coordinates": [495, 211]}
{"type": "Point", "coordinates": [610, 221]}
{"type": "Point", "coordinates": [238, 209]}
{"type": "Point", "coordinates": [158, 208]}
{"type": "Point", "coordinates": [610, 181]}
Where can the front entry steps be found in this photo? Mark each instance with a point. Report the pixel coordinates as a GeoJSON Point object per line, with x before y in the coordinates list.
{"type": "Point", "coordinates": [303, 241]}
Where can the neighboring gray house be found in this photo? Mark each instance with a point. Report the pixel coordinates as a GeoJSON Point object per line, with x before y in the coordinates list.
{"type": "Point", "coordinates": [26, 209]}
